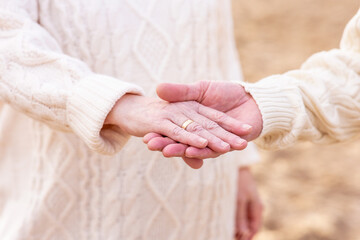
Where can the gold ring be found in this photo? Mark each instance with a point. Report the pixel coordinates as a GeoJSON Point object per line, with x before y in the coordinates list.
{"type": "Point", "coordinates": [186, 123]}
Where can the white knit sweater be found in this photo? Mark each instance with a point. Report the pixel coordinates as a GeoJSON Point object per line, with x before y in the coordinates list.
{"type": "Point", "coordinates": [319, 102]}
{"type": "Point", "coordinates": [63, 64]}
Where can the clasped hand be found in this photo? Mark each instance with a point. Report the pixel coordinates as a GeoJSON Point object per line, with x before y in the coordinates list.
{"type": "Point", "coordinates": [224, 118]}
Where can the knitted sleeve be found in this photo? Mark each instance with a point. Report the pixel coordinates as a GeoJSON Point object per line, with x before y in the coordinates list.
{"type": "Point", "coordinates": [319, 102]}
{"type": "Point", "coordinates": [42, 82]}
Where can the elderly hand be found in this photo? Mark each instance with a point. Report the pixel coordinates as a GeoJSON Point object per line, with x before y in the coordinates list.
{"type": "Point", "coordinates": [248, 208]}
{"type": "Point", "coordinates": [139, 115]}
{"type": "Point", "coordinates": [226, 97]}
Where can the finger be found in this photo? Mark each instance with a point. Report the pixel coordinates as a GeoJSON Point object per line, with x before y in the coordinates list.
{"type": "Point", "coordinates": [175, 150]}
{"type": "Point", "coordinates": [178, 134]}
{"type": "Point", "coordinates": [159, 143]}
{"type": "Point", "coordinates": [225, 121]}
{"type": "Point", "coordinates": [214, 142]}
{"type": "Point", "coordinates": [193, 162]}
{"type": "Point", "coordinates": [170, 148]}
{"type": "Point", "coordinates": [241, 219]}
{"type": "Point", "coordinates": [178, 150]}
{"type": "Point", "coordinates": [182, 150]}
{"type": "Point", "coordinates": [206, 122]}
{"type": "Point", "coordinates": [150, 136]}
{"type": "Point", "coordinates": [255, 216]}
{"type": "Point", "coordinates": [203, 153]}
{"type": "Point", "coordinates": [173, 92]}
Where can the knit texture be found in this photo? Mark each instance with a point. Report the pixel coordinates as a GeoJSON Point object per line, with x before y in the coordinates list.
{"type": "Point", "coordinates": [320, 102]}
{"type": "Point", "coordinates": [63, 65]}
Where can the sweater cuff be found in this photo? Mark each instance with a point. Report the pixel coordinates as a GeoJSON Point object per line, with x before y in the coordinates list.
{"type": "Point", "coordinates": [279, 101]}
{"type": "Point", "coordinates": [91, 100]}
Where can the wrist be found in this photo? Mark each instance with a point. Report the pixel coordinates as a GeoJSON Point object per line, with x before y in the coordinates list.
{"type": "Point", "coordinates": [131, 114]}
{"type": "Point", "coordinates": [120, 108]}
{"type": "Point", "coordinates": [87, 106]}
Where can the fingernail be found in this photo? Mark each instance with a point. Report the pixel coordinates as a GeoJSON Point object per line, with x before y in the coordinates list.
{"type": "Point", "coordinates": [240, 141]}
{"type": "Point", "coordinates": [203, 141]}
{"type": "Point", "coordinates": [246, 127]}
{"type": "Point", "coordinates": [224, 145]}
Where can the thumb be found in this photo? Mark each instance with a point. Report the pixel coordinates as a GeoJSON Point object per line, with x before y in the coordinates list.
{"type": "Point", "coordinates": [174, 92]}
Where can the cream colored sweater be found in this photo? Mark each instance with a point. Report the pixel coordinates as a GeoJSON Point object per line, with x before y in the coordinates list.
{"type": "Point", "coordinates": [63, 64]}
{"type": "Point", "coordinates": [319, 102]}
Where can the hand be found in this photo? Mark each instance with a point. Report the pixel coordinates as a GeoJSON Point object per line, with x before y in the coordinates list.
{"type": "Point", "coordinates": [249, 208]}
{"type": "Point", "coordinates": [226, 97]}
{"type": "Point", "coordinates": [139, 115]}
{"type": "Point", "coordinates": [171, 148]}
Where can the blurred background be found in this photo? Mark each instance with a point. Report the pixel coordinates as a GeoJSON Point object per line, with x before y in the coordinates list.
{"type": "Point", "coordinates": [310, 192]}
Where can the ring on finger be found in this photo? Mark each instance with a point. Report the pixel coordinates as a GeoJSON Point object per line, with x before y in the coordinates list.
{"type": "Point", "coordinates": [186, 124]}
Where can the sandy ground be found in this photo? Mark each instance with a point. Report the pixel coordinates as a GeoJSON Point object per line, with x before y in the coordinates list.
{"type": "Point", "coordinates": [310, 192]}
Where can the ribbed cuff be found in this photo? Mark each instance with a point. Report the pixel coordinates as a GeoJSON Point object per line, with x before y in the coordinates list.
{"type": "Point", "coordinates": [89, 104]}
{"type": "Point", "coordinates": [279, 101]}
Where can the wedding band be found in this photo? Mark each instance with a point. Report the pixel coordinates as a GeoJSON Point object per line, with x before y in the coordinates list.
{"type": "Point", "coordinates": [186, 123]}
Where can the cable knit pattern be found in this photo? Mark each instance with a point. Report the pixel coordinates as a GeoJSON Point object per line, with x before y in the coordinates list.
{"type": "Point", "coordinates": [319, 102]}
{"type": "Point", "coordinates": [63, 64]}
{"type": "Point", "coordinates": [29, 55]}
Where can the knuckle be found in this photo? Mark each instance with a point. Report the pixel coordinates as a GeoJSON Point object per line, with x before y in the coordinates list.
{"type": "Point", "coordinates": [176, 131]}
{"type": "Point", "coordinates": [220, 117]}
{"type": "Point", "coordinates": [203, 84]}
{"type": "Point", "coordinates": [211, 125]}
{"type": "Point", "coordinates": [194, 127]}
